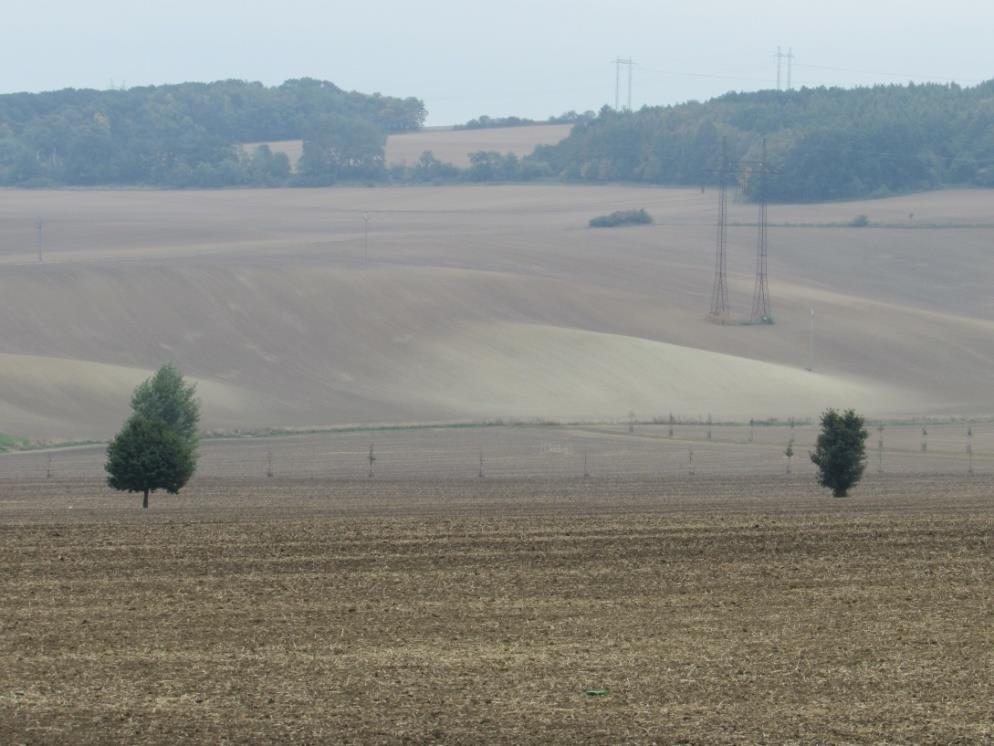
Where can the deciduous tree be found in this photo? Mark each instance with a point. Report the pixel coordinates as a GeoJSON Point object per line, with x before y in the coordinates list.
{"type": "Point", "coordinates": [147, 456]}
{"type": "Point", "coordinates": [157, 447]}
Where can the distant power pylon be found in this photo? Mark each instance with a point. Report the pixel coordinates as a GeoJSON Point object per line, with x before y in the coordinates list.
{"type": "Point", "coordinates": [365, 237]}
{"type": "Point", "coordinates": [40, 226]}
{"type": "Point", "coordinates": [617, 82]}
{"type": "Point", "coordinates": [719, 292]}
{"type": "Point", "coordinates": [761, 312]}
{"type": "Point", "coordinates": [790, 65]}
{"type": "Point", "coordinates": [720, 312]}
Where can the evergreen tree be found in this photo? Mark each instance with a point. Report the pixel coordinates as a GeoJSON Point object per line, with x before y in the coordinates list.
{"type": "Point", "coordinates": [840, 453]}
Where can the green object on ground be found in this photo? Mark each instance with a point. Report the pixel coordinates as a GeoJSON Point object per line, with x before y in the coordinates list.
{"type": "Point", "coordinates": [596, 692]}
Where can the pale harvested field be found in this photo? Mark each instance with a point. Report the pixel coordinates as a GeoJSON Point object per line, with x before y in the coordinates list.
{"type": "Point", "coordinates": [719, 608]}
{"type": "Point", "coordinates": [484, 302]}
{"type": "Point", "coordinates": [447, 145]}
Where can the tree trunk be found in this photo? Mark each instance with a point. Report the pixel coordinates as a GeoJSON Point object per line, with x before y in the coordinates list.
{"type": "Point", "coordinates": [145, 501]}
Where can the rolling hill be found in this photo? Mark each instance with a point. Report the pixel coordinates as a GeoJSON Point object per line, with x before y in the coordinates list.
{"type": "Point", "coordinates": [484, 302]}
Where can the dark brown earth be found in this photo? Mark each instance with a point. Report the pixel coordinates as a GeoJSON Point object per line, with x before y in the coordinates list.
{"type": "Point", "coordinates": [318, 610]}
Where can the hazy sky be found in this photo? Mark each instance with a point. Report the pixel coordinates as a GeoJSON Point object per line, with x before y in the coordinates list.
{"type": "Point", "coordinates": [466, 58]}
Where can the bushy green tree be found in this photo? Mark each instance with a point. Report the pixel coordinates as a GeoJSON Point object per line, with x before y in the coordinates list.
{"type": "Point", "coordinates": [157, 447]}
{"type": "Point", "coordinates": [166, 397]}
{"type": "Point", "coordinates": [266, 167]}
{"type": "Point", "coordinates": [340, 147]}
{"type": "Point", "coordinates": [840, 453]}
{"type": "Point", "coordinates": [429, 168]}
{"type": "Point", "coordinates": [621, 217]}
{"type": "Point", "coordinates": [147, 456]}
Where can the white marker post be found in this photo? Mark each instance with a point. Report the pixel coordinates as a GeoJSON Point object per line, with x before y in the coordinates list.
{"type": "Point", "coordinates": [365, 238]}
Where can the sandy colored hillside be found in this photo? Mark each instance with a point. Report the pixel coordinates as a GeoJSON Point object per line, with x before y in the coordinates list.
{"type": "Point", "coordinates": [449, 146]}
{"type": "Point", "coordinates": [481, 302]}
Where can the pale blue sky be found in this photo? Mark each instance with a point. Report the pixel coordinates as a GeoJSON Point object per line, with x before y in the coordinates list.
{"type": "Point", "coordinates": [469, 58]}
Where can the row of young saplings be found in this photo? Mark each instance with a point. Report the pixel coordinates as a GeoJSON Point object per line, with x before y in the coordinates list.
{"type": "Point", "coordinates": [789, 452]}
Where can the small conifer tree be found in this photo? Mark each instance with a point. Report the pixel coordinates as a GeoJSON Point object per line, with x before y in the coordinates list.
{"type": "Point", "coordinates": [840, 453]}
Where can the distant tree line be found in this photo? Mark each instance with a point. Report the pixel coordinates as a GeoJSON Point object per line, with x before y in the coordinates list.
{"type": "Point", "coordinates": [485, 122]}
{"type": "Point", "coordinates": [484, 166]}
{"type": "Point", "coordinates": [190, 134]}
{"type": "Point", "coordinates": [826, 143]}
{"type": "Point", "coordinates": [823, 143]}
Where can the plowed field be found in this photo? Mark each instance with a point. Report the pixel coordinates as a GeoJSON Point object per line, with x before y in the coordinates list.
{"type": "Point", "coordinates": [714, 608]}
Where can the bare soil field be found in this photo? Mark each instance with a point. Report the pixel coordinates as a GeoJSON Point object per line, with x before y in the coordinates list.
{"type": "Point", "coordinates": [542, 452]}
{"type": "Point", "coordinates": [467, 304]}
{"type": "Point", "coordinates": [447, 145]}
{"type": "Point", "coordinates": [316, 609]}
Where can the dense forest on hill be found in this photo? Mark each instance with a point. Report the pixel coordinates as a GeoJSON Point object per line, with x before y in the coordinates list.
{"type": "Point", "coordinates": [822, 143]}
{"type": "Point", "coordinates": [188, 134]}
{"type": "Point", "coordinates": [825, 143]}
{"type": "Point", "coordinates": [484, 122]}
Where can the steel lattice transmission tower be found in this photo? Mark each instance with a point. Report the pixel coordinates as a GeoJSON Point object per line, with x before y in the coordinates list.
{"type": "Point", "coordinates": [617, 82]}
{"type": "Point", "coordinates": [719, 294]}
{"type": "Point", "coordinates": [790, 65]}
{"type": "Point", "coordinates": [761, 312]}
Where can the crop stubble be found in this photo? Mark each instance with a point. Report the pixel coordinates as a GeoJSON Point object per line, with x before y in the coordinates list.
{"type": "Point", "coordinates": [315, 610]}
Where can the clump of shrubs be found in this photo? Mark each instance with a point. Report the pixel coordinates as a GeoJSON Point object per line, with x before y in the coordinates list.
{"type": "Point", "coordinates": [622, 217]}
{"type": "Point", "coordinates": [860, 221]}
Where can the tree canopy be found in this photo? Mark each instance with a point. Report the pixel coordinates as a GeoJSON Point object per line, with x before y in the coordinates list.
{"type": "Point", "coordinates": [167, 398]}
{"type": "Point", "coordinates": [486, 122]}
{"type": "Point", "coordinates": [339, 147]}
{"type": "Point", "coordinates": [146, 456]}
{"type": "Point", "coordinates": [621, 217]}
{"type": "Point", "coordinates": [176, 135]}
{"type": "Point", "coordinates": [826, 143]}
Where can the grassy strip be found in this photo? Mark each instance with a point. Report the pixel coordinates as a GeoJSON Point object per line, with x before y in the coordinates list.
{"type": "Point", "coordinates": [11, 443]}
